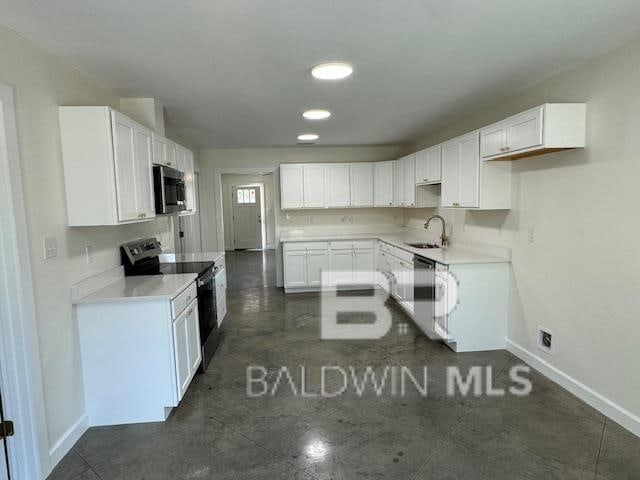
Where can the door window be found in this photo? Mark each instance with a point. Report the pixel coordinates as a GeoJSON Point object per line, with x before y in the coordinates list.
{"type": "Point", "coordinates": [246, 195]}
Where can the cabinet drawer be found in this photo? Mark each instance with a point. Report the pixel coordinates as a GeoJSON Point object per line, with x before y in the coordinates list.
{"type": "Point", "coordinates": [179, 303]}
{"type": "Point", "coordinates": [349, 245]}
{"type": "Point", "coordinates": [302, 246]}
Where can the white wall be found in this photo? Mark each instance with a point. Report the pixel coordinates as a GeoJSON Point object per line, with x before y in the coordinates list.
{"type": "Point", "coordinates": [231, 180]}
{"type": "Point", "coordinates": [41, 83]}
{"type": "Point", "coordinates": [270, 158]}
{"type": "Point", "coordinates": [580, 278]}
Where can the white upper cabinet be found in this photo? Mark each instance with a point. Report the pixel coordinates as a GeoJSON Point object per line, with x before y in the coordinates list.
{"type": "Point", "coordinates": [313, 186]}
{"type": "Point", "coordinates": [383, 184]}
{"type": "Point", "coordinates": [160, 155]}
{"type": "Point", "coordinates": [398, 183]}
{"type": "Point", "coordinates": [409, 180]}
{"type": "Point", "coordinates": [547, 128]}
{"type": "Point", "coordinates": [107, 167]}
{"type": "Point", "coordinates": [361, 185]}
{"type": "Point", "coordinates": [428, 165]}
{"type": "Point", "coordinates": [145, 199]}
{"type": "Point", "coordinates": [291, 187]}
{"type": "Point", "coordinates": [172, 154]}
{"type": "Point", "coordinates": [189, 179]}
{"type": "Point", "coordinates": [338, 185]}
{"type": "Point", "coordinates": [469, 183]}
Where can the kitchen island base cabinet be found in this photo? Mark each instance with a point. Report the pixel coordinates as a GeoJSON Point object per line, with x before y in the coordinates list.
{"type": "Point", "coordinates": [477, 316]}
{"type": "Point", "coordinates": [137, 360]}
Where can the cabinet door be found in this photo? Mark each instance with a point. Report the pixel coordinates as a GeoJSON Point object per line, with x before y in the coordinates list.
{"type": "Point", "coordinates": [124, 148]}
{"type": "Point", "coordinates": [398, 183]}
{"type": "Point", "coordinates": [408, 284]}
{"type": "Point", "coordinates": [159, 150]}
{"type": "Point", "coordinates": [338, 185]}
{"type": "Point", "coordinates": [181, 351]}
{"type": "Point", "coordinates": [469, 171]}
{"type": "Point", "coordinates": [361, 185]}
{"type": "Point", "coordinates": [450, 193]}
{"type": "Point", "coordinates": [295, 269]}
{"type": "Point", "coordinates": [493, 140]}
{"type": "Point", "coordinates": [434, 164]}
{"type": "Point", "coordinates": [181, 158]}
{"type": "Point", "coordinates": [363, 266]}
{"type": "Point", "coordinates": [313, 186]}
{"type": "Point", "coordinates": [189, 181]}
{"type": "Point", "coordinates": [410, 181]}
{"type": "Point", "coordinates": [398, 285]}
{"type": "Point", "coordinates": [342, 267]}
{"type": "Point", "coordinates": [383, 184]}
{"type": "Point", "coordinates": [291, 186]}
{"type": "Point", "coordinates": [317, 263]}
{"type": "Point", "coordinates": [525, 130]}
{"type": "Point", "coordinates": [144, 172]}
{"type": "Point", "coordinates": [172, 154]}
{"type": "Point", "coordinates": [193, 332]}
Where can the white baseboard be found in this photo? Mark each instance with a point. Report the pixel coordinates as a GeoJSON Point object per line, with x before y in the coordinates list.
{"type": "Point", "coordinates": [601, 403]}
{"type": "Point", "coordinates": [68, 440]}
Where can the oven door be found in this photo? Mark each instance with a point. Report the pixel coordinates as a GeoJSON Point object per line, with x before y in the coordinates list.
{"type": "Point", "coordinates": [209, 332]}
{"type": "Point", "coordinates": [169, 190]}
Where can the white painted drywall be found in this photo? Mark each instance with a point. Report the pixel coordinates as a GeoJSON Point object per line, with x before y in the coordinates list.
{"type": "Point", "coordinates": [580, 278]}
{"type": "Point", "coordinates": [41, 83]}
{"type": "Point", "coordinates": [270, 158]}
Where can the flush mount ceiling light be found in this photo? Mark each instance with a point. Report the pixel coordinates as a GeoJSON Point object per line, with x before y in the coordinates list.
{"type": "Point", "coordinates": [308, 137]}
{"type": "Point", "coordinates": [332, 71]}
{"type": "Point", "coordinates": [316, 114]}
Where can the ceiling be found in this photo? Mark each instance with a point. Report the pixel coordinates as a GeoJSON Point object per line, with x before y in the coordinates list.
{"type": "Point", "coordinates": [235, 73]}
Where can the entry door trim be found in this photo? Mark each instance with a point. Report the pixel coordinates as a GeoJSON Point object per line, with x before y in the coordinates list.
{"type": "Point", "coordinates": [19, 350]}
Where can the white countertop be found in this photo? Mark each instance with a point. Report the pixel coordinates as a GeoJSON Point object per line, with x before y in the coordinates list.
{"type": "Point", "coordinates": [144, 287]}
{"type": "Point", "coordinates": [191, 257]}
{"type": "Point", "coordinates": [449, 256]}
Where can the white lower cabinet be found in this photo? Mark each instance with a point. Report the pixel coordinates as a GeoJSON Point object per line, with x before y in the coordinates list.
{"type": "Point", "coordinates": [186, 335]}
{"type": "Point", "coordinates": [138, 357]}
{"type": "Point", "coordinates": [295, 268]}
{"type": "Point", "coordinates": [317, 265]}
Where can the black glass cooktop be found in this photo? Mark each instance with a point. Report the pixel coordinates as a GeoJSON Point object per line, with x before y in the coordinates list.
{"type": "Point", "coordinates": [186, 267]}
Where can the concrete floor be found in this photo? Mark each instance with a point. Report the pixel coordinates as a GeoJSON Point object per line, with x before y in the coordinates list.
{"type": "Point", "coordinates": [219, 432]}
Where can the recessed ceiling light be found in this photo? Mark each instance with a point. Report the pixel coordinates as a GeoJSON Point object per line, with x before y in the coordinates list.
{"type": "Point", "coordinates": [332, 71]}
{"type": "Point", "coordinates": [308, 137]}
{"type": "Point", "coordinates": [316, 114]}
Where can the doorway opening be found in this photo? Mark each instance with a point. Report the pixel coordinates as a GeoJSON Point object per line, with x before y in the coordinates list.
{"type": "Point", "coordinates": [248, 215]}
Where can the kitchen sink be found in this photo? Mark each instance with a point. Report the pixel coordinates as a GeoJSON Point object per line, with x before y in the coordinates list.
{"type": "Point", "coordinates": [423, 245]}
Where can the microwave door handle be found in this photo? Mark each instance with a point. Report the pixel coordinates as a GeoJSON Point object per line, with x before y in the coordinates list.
{"type": "Point", "coordinates": [162, 189]}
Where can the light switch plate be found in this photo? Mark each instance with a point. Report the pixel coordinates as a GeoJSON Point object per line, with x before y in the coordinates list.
{"type": "Point", "coordinates": [50, 245]}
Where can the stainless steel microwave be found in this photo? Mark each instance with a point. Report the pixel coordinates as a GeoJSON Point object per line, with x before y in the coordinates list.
{"type": "Point", "coordinates": [169, 190]}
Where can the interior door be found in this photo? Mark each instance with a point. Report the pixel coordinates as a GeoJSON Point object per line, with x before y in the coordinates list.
{"type": "Point", "coordinates": [247, 220]}
{"type": "Point", "coordinates": [4, 450]}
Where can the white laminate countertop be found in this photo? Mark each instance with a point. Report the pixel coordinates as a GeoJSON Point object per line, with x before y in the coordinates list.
{"type": "Point", "coordinates": [448, 256]}
{"type": "Point", "coordinates": [141, 288]}
{"type": "Point", "coordinates": [191, 257]}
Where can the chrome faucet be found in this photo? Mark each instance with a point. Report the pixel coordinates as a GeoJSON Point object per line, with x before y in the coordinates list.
{"type": "Point", "coordinates": [444, 238]}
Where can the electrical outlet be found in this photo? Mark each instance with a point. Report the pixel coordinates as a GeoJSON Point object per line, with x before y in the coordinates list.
{"type": "Point", "coordinates": [88, 250]}
{"type": "Point", "coordinates": [532, 234]}
{"type": "Point", "coordinates": [50, 246]}
{"type": "Point", "coordinates": [545, 340]}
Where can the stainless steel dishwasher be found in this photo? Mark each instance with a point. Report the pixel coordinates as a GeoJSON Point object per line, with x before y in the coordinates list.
{"type": "Point", "coordinates": [424, 295]}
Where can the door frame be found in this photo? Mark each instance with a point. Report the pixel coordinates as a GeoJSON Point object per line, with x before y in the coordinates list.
{"type": "Point", "coordinates": [19, 348]}
{"type": "Point", "coordinates": [263, 213]}
{"type": "Point", "coordinates": [277, 212]}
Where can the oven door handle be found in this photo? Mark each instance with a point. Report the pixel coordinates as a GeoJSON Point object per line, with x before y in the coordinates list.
{"type": "Point", "coordinates": [206, 278]}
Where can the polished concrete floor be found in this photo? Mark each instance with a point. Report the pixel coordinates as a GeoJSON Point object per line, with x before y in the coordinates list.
{"type": "Point", "coordinates": [219, 431]}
